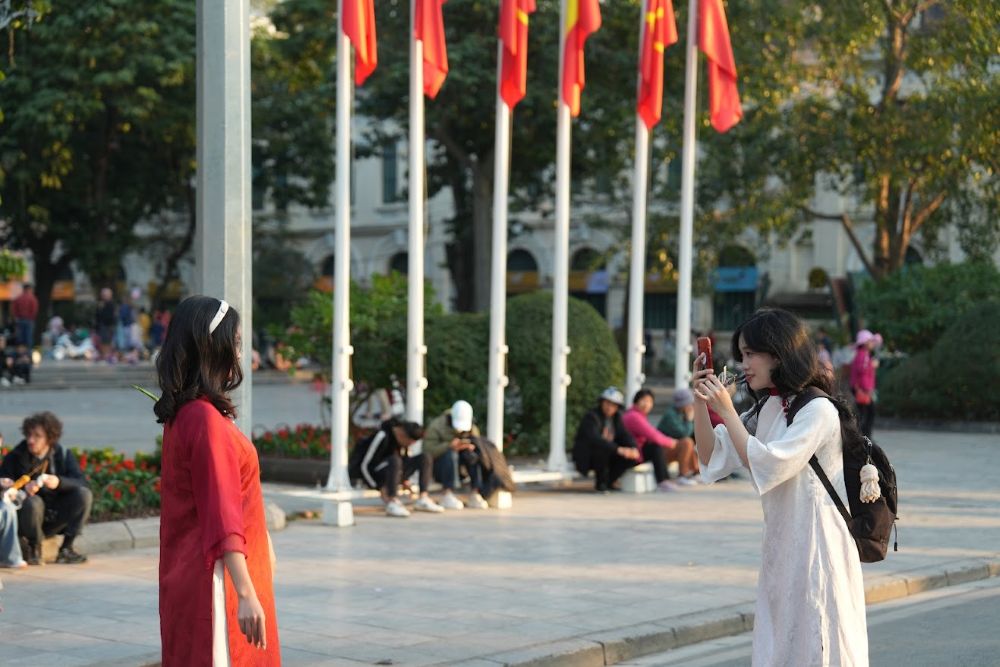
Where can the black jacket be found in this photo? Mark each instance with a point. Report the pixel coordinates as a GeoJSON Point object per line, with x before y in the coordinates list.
{"type": "Point", "coordinates": [62, 463]}
{"type": "Point", "coordinates": [589, 435]}
{"type": "Point", "coordinates": [370, 455]}
{"type": "Point", "coordinates": [496, 472]}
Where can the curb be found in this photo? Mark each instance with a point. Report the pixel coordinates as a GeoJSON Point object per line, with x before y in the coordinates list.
{"type": "Point", "coordinates": [107, 536]}
{"type": "Point", "coordinates": [611, 647]}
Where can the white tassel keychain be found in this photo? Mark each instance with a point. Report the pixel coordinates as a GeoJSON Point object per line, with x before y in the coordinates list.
{"type": "Point", "coordinates": [870, 491]}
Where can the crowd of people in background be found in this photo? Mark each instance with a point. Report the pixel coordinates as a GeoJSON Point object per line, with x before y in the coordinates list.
{"type": "Point", "coordinates": [120, 330]}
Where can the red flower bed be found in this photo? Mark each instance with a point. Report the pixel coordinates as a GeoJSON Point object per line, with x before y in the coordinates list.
{"type": "Point", "coordinates": [305, 441]}
{"type": "Point", "coordinates": [123, 488]}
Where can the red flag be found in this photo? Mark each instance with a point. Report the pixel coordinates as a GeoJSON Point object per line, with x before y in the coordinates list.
{"type": "Point", "coordinates": [583, 18]}
{"type": "Point", "coordinates": [659, 31]}
{"type": "Point", "coordinates": [713, 40]}
{"type": "Point", "coordinates": [429, 29]}
{"type": "Point", "coordinates": [359, 26]}
{"type": "Point", "coordinates": [514, 36]}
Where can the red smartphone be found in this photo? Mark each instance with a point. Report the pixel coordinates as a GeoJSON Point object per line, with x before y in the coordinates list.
{"type": "Point", "coordinates": [705, 347]}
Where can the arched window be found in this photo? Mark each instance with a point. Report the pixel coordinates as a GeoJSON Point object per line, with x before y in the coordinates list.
{"type": "Point", "coordinates": [400, 263]}
{"type": "Point", "coordinates": [521, 260]}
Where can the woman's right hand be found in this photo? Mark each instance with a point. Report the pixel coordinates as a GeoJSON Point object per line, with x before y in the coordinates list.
{"type": "Point", "coordinates": [250, 616]}
{"type": "Point", "coordinates": [699, 373]}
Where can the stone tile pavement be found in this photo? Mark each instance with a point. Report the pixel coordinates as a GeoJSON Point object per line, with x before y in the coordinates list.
{"type": "Point", "coordinates": [564, 572]}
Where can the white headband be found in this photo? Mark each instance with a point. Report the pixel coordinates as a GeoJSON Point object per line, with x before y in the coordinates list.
{"type": "Point", "coordinates": [223, 309]}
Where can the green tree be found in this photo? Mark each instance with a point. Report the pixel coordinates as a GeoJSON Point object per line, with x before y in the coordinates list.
{"type": "Point", "coordinates": [890, 105]}
{"type": "Point", "coordinates": [97, 132]}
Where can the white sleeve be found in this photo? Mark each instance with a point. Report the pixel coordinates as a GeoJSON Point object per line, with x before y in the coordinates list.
{"type": "Point", "coordinates": [781, 459]}
{"type": "Point", "coordinates": [724, 460]}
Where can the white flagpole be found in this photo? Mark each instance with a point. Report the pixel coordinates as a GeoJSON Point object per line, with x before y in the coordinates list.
{"type": "Point", "coordinates": [560, 272]}
{"type": "Point", "coordinates": [634, 376]}
{"type": "Point", "coordinates": [682, 371]}
{"type": "Point", "coordinates": [340, 512]}
{"type": "Point", "coordinates": [415, 347]}
{"type": "Point", "coordinates": [498, 273]}
{"type": "Point", "coordinates": [637, 274]}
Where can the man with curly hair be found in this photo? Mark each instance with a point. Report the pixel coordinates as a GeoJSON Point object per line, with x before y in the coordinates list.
{"type": "Point", "coordinates": [58, 500]}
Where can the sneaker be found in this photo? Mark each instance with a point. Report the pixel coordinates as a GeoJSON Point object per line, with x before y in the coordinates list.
{"type": "Point", "coordinates": [395, 508]}
{"type": "Point", "coordinates": [667, 486]}
{"type": "Point", "coordinates": [686, 481]}
{"type": "Point", "coordinates": [450, 502]}
{"type": "Point", "coordinates": [19, 565]}
{"type": "Point", "coordinates": [70, 557]}
{"type": "Point", "coordinates": [427, 505]}
{"type": "Point", "coordinates": [32, 554]}
{"type": "Point", "coordinates": [477, 502]}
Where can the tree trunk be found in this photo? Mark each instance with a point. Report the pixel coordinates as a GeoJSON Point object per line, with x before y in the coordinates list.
{"type": "Point", "coordinates": [46, 272]}
{"type": "Point", "coordinates": [482, 233]}
{"type": "Point", "coordinates": [460, 250]}
{"type": "Point", "coordinates": [170, 269]}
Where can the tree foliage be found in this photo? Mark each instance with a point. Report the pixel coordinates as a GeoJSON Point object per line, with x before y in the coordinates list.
{"type": "Point", "coordinates": [889, 105]}
{"type": "Point", "coordinates": [954, 379]}
{"type": "Point", "coordinates": [98, 131]}
{"type": "Point", "coordinates": [913, 307]}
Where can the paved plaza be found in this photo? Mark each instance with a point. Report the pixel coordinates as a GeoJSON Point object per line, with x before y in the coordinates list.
{"type": "Point", "coordinates": [562, 570]}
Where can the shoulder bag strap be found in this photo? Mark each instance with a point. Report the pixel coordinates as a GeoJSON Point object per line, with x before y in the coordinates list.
{"type": "Point", "coordinates": [818, 469]}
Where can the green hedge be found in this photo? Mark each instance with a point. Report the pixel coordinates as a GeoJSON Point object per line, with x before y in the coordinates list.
{"type": "Point", "coordinates": [912, 307]}
{"type": "Point", "coordinates": [956, 379]}
{"type": "Point", "coordinates": [594, 363]}
{"type": "Point", "coordinates": [458, 354]}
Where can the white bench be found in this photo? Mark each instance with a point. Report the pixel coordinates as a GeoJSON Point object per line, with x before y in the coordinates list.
{"type": "Point", "coordinates": [639, 479]}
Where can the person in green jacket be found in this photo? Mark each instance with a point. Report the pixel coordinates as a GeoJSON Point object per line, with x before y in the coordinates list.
{"type": "Point", "coordinates": [678, 421]}
{"type": "Point", "coordinates": [448, 440]}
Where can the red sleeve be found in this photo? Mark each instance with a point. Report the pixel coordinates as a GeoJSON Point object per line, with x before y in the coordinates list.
{"type": "Point", "coordinates": [215, 481]}
{"type": "Point", "coordinates": [640, 427]}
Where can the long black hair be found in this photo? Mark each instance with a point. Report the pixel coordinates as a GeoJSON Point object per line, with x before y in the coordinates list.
{"type": "Point", "coordinates": [194, 363]}
{"type": "Point", "coordinates": [786, 338]}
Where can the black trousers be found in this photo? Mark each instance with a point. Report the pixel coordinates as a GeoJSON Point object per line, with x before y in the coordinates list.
{"type": "Point", "coordinates": [60, 513]}
{"type": "Point", "coordinates": [608, 466]}
{"type": "Point", "coordinates": [400, 468]}
{"type": "Point", "coordinates": [658, 457]}
{"type": "Point", "coordinates": [866, 418]}
{"type": "Point", "coordinates": [446, 469]}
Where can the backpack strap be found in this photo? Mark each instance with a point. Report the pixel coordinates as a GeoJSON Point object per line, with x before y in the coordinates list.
{"type": "Point", "coordinates": [800, 401]}
{"type": "Point", "coordinates": [818, 469]}
{"type": "Point", "coordinates": [808, 394]}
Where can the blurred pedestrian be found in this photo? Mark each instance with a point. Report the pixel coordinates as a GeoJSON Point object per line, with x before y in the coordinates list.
{"type": "Point", "coordinates": [24, 309]}
{"type": "Point", "coordinates": [105, 322]}
{"type": "Point", "coordinates": [863, 378]}
{"type": "Point", "coordinates": [603, 444]}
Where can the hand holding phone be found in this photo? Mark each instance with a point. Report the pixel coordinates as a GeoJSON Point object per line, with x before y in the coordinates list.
{"type": "Point", "coordinates": [705, 347]}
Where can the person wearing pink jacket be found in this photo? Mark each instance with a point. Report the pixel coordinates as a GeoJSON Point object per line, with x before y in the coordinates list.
{"type": "Point", "coordinates": [657, 448]}
{"type": "Point", "coordinates": [863, 378]}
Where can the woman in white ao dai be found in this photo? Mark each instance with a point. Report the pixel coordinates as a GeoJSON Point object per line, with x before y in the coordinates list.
{"type": "Point", "coordinates": [810, 607]}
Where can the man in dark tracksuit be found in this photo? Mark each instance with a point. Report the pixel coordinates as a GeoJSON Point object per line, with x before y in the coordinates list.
{"type": "Point", "coordinates": [602, 442]}
{"type": "Point", "coordinates": [381, 462]}
{"type": "Point", "coordinates": [58, 499]}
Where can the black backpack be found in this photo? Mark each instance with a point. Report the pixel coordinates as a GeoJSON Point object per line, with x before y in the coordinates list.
{"type": "Point", "coordinates": [869, 523]}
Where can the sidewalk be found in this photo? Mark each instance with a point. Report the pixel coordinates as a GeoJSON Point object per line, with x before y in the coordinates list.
{"type": "Point", "coordinates": [565, 577]}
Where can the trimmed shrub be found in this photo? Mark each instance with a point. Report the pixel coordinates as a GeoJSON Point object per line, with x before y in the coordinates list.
{"type": "Point", "coordinates": [593, 364]}
{"type": "Point", "coordinates": [457, 363]}
{"type": "Point", "coordinates": [956, 378]}
{"type": "Point", "coordinates": [912, 307]}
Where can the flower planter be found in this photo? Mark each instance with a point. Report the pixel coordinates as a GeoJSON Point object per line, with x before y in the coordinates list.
{"type": "Point", "coordinates": [309, 472]}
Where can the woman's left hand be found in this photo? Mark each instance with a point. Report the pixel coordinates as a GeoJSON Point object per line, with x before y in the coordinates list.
{"type": "Point", "coordinates": [711, 390]}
